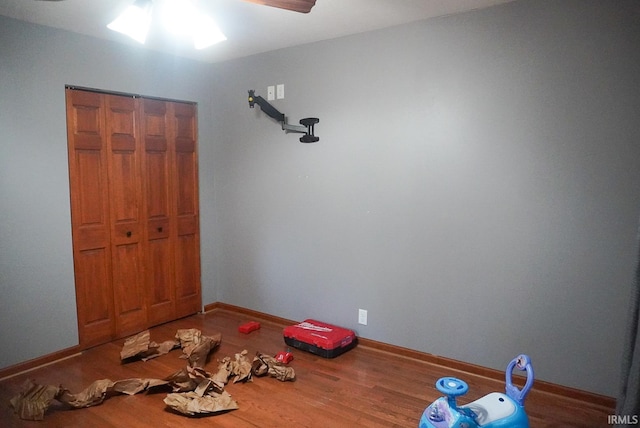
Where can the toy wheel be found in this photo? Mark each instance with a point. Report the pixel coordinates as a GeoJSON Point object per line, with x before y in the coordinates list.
{"type": "Point", "coordinates": [452, 386]}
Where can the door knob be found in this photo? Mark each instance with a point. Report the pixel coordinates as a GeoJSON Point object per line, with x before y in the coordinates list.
{"type": "Point", "coordinates": [128, 234]}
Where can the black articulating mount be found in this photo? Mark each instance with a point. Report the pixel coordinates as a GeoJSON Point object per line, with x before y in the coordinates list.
{"type": "Point", "coordinates": [306, 125]}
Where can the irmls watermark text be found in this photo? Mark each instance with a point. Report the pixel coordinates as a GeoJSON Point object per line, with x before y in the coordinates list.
{"type": "Point", "coordinates": [623, 419]}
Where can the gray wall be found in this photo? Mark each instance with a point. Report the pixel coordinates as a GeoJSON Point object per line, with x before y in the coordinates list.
{"type": "Point", "coordinates": [475, 188]}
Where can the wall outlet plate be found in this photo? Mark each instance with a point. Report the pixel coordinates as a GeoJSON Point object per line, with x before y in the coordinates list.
{"type": "Point", "coordinates": [362, 316]}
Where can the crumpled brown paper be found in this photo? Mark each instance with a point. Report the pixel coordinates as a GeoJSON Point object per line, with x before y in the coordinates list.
{"type": "Point", "coordinates": [141, 346]}
{"type": "Point", "coordinates": [241, 368]}
{"type": "Point", "coordinates": [191, 403]}
{"type": "Point", "coordinates": [196, 347]}
{"type": "Point", "coordinates": [189, 378]}
{"type": "Point", "coordinates": [33, 402]}
{"type": "Point", "coordinates": [201, 394]}
{"type": "Point", "coordinates": [224, 371]}
{"type": "Point", "coordinates": [195, 391]}
{"type": "Point", "coordinates": [266, 364]}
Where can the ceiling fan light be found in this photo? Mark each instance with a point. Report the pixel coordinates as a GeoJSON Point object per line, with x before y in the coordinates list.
{"type": "Point", "coordinates": [134, 21]}
{"type": "Point", "coordinates": [178, 16]}
{"type": "Point", "coordinates": [206, 33]}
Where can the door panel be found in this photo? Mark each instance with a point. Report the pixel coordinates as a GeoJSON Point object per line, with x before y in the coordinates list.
{"type": "Point", "coordinates": [96, 318]}
{"type": "Point", "coordinates": [185, 179]}
{"type": "Point", "coordinates": [88, 184]}
{"type": "Point", "coordinates": [161, 299]}
{"type": "Point", "coordinates": [126, 214]}
{"type": "Point", "coordinates": [91, 185]}
{"type": "Point", "coordinates": [125, 191]}
{"type": "Point", "coordinates": [187, 275]}
{"type": "Point", "coordinates": [157, 185]}
{"type": "Point", "coordinates": [85, 120]}
{"type": "Point", "coordinates": [129, 304]}
{"type": "Point", "coordinates": [187, 255]}
{"type": "Point", "coordinates": [160, 281]}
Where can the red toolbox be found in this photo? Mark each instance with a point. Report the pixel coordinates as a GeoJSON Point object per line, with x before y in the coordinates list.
{"type": "Point", "coordinates": [320, 338]}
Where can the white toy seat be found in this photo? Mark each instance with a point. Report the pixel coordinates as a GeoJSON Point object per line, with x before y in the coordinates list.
{"type": "Point", "coordinates": [491, 407]}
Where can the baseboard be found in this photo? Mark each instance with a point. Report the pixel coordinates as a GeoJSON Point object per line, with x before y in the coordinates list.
{"type": "Point", "coordinates": [540, 385]}
{"type": "Point", "coordinates": [35, 363]}
{"type": "Point", "coordinates": [249, 312]}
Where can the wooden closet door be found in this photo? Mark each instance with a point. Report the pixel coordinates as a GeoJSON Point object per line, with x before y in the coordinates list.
{"type": "Point", "coordinates": [88, 179]}
{"type": "Point", "coordinates": [126, 213]}
{"type": "Point", "coordinates": [185, 176]}
{"type": "Point", "coordinates": [160, 284]}
{"type": "Point", "coordinates": [169, 132]}
{"type": "Point", "coordinates": [106, 211]}
{"type": "Point", "coordinates": [134, 201]}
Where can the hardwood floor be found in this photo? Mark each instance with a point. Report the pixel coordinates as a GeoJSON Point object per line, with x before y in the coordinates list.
{"type": "Point", "coordinates": [363, 387]}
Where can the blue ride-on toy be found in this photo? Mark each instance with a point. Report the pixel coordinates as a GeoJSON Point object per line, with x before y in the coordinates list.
{"type": "Point", "coordinates": [494, 410]}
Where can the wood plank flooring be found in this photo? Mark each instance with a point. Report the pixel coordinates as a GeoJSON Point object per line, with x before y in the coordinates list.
{"type": "Point", "coordinates": [364, 387]}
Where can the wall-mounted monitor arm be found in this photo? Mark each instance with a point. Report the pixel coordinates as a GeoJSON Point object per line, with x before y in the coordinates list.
{"type": "Point", "coordinates": [306, 126]}
{"type": "Point", "coordinates": [265, 106]}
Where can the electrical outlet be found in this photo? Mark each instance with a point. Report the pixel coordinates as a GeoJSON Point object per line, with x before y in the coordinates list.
{"type": "Point", "coordinates": [271, 93]}
{"type": "Point", "coordinates": [362, 316]}
{"type": "Point", "coordinates": [280, 91]}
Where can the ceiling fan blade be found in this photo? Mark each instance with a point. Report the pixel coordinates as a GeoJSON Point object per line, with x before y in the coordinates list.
{"type": "Point", "coordinates": [302, 6]}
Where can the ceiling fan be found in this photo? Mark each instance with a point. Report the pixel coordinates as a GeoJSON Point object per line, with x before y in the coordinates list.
{"type": "Point", "coordinates": [302, 6]}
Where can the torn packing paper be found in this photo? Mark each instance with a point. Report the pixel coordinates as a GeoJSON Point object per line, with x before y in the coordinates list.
{"type": "Point", "coordinates": [195, 391]}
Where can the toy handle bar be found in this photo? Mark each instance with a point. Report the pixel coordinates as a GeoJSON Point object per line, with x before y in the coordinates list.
{"type": "Point", "coordinates": [452, 387]}
{"type": "Point", "coordinates": [521, 362]}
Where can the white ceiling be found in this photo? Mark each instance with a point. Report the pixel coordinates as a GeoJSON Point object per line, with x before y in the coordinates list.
{"type": "Point", "coordinates": [250, 28]}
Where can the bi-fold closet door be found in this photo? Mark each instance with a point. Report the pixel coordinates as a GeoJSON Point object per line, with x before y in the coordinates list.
{"type": "Point", "coordinates": [134, 212]}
